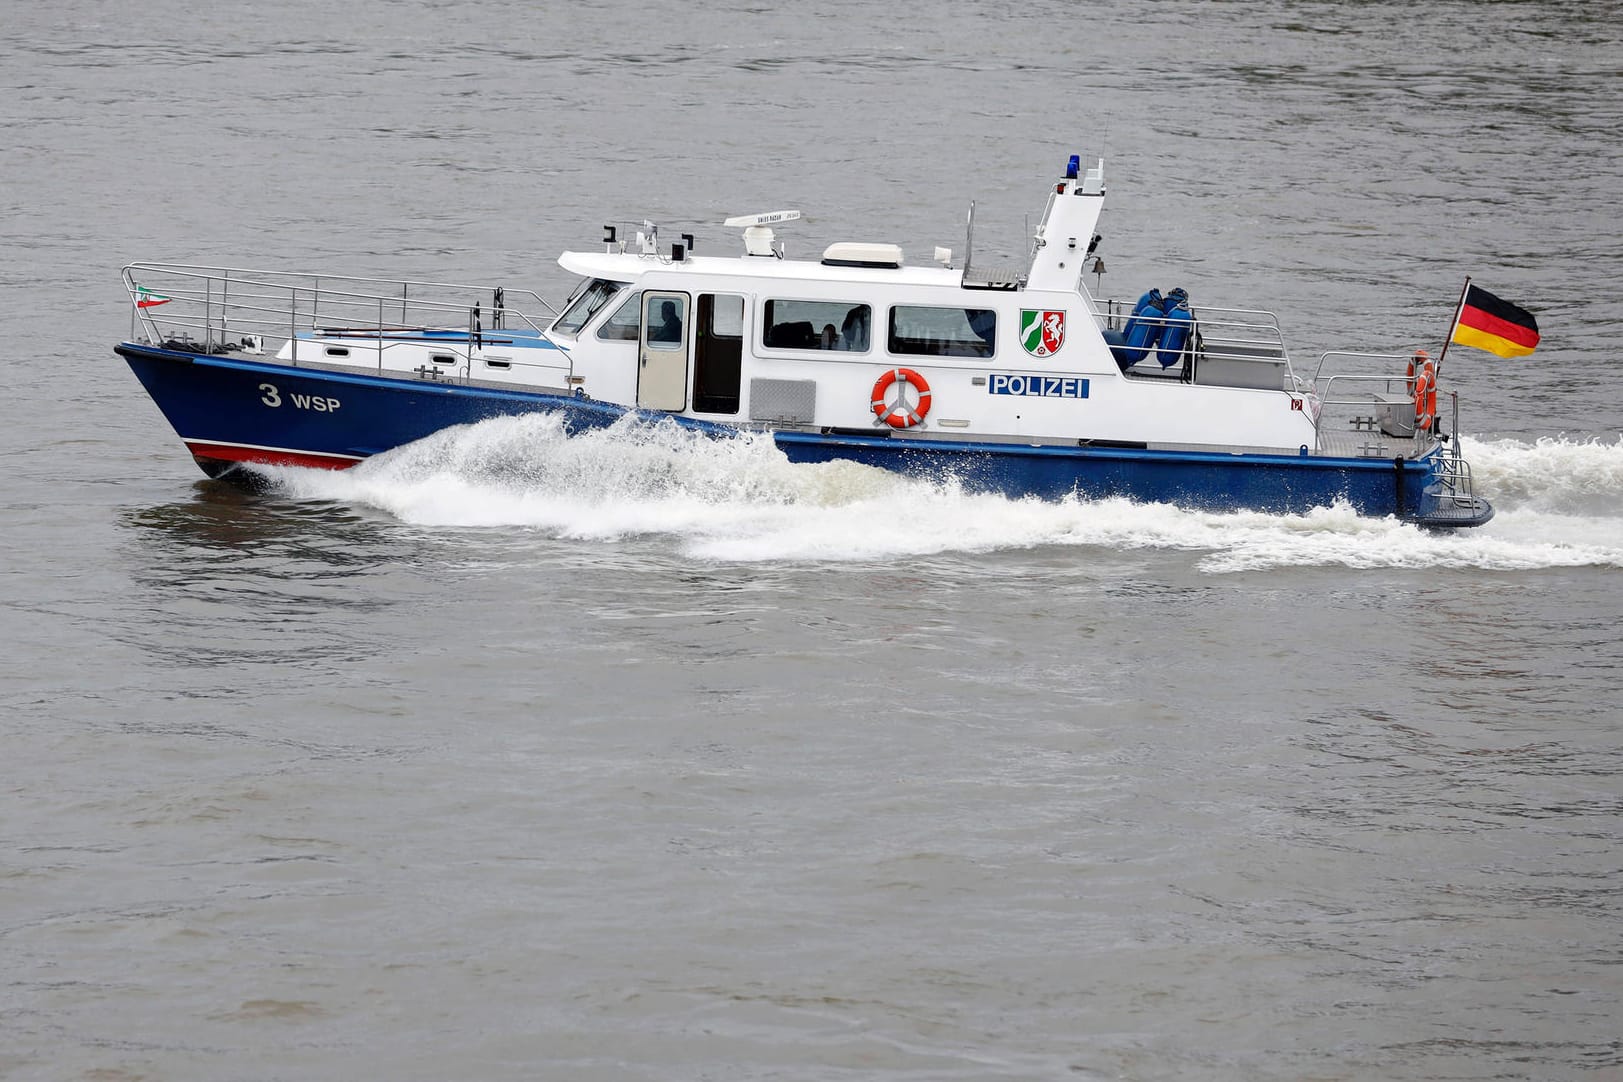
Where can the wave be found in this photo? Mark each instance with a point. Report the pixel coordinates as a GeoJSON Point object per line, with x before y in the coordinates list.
{"type": "Point", "coordinates": [740, 500]}
{"type": "Point", "coordinates": [1556, 474]}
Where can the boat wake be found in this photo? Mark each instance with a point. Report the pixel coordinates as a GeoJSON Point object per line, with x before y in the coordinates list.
{"type": "Point", "coordinates": [1560, 504]}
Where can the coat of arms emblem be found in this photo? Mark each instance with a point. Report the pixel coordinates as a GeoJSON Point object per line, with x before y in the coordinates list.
{"type": "Point", "coordinates": [1041, 333]}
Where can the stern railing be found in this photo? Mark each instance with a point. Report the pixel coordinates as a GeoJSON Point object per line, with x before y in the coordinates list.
{"type": "Point", "coordinates": [1379, 406]}
{"type": "Point", "coordinates": [1456, 487]}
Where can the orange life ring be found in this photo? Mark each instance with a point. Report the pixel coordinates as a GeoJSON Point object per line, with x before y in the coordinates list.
{"type": "Point", "coordinates": [1416, 362]}
{"type": "Point", "coordinates": [899, 414]}
{"type": "Point", "coordinates": [1425, 398]}
{"type": "Point", "coordinates": [1431, 393]}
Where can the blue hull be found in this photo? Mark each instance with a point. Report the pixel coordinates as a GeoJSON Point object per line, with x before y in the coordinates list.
{"type": "Point", "coordinates": [230, 410]}
{"type": "Point", "coordinates": [1277, 484]}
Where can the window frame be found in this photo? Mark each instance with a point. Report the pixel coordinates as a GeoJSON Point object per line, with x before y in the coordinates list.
{"type": "Point", "coordinates": [582, 296]}
{"type": "Point", "coordinates": [633, 302]}
{"type": "Point", "coordinates": [980, 347]}
{"type": "Point", "coordinates": [846, 308]}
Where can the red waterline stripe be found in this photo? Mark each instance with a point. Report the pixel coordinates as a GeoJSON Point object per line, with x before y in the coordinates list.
{"type": "Point", "coordinates": [270, 456]}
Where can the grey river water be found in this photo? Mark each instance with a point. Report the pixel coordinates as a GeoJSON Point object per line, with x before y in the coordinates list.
{"type": "Point", "coordinates": [620, 758]}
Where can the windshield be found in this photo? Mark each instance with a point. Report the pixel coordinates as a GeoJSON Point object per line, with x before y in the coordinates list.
{"type": "Point", "coordinates": [588, 299]}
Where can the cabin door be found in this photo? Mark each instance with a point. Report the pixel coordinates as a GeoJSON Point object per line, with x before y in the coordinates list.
{"type": "Point", "coordinates": [662, 352]}
{"type": "Point", "coordinates": [718, 352]}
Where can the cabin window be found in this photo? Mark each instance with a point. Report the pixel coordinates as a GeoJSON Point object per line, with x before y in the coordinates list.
{"type": "Point", "coordinates": [585, 304]}
{"type": "Point", "coordinates": [667, 321]}
{"type": "Point", "coordinates": [942, 332]}
{"type": "Point", "coordinates": [622, 325]}
{"type": "Point", "coordinates": [838, 325]}
{"type": "Point", "coordinates": [338, 351]}
{"type": "Point", "coordinates": [442, 358]}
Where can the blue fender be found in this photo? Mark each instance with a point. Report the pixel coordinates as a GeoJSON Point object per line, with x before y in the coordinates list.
{"type": "Point", "coordinates": [1142, 330]}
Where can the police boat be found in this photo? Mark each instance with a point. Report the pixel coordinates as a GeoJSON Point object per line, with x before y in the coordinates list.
{"type": "Point", "coordinates": [1016, 381]}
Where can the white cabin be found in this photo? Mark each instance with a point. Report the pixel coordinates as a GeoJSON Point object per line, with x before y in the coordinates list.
{"type": "Point", "coordinates": [757, 339]}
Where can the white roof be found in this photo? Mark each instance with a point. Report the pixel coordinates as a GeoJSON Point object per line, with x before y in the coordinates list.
{"type": "Point", "coordinates": [628, 267]}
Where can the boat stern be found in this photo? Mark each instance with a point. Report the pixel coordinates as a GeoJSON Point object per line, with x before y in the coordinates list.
{"type": "Point", "coordinates": [1449, 500]}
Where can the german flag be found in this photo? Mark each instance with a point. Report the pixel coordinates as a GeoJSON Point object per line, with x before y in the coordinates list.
{"type": "Point", "coordinates": [1486, 322]}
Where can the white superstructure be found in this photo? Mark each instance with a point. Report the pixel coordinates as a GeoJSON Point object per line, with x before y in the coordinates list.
{"type": "Point", "coordinates": [781, 342]}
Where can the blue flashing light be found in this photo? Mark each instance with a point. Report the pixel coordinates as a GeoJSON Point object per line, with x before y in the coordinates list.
{"type": "Point", "coordinates": [1072, 166]}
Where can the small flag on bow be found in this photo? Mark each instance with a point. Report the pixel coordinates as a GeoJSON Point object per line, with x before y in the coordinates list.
{"type": "Point", "coordinates": [145, 298]}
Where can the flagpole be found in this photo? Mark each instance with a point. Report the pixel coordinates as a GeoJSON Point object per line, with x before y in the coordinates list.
{"type": "Point", "coordinates": [1458, 308]}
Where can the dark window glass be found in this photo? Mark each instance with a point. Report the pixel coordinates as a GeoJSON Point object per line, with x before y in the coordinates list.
{"type": "Point", "coordinates": [942, 332]}
{"type": "Point", "coordinates": [587, 300]}
{"type": "Point", "coordinates": [667, 314]}
{"type": "Point", "coordinates": [622, 325]}
{"type": "Point", "coordinates": [718, 352]}
{"type": "Point", "coordinates": [837, 325]}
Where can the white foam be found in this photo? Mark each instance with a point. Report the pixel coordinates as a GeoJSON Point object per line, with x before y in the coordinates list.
{"type": "Point", "coordinates": [1560, 504]}
{"type": "Point", "coordinates": [1574, 477]}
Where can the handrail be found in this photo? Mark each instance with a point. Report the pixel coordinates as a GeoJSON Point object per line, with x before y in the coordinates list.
{"type": "Point", "coordinates": [286, 287]}
{"type": "Point", "coordinates": [1233, 334]}
{"type": "Point", "coordinates": [1268, 319]}
{"type": "Point", "coordinates": [220, 308]}
{"type": "Point", "coordinates": [1323, 392]}
{"type": "Point", "coordinates": [318, 276]}
{"type": "Point", "coordinates": [246, 290]}
{"type": "Point", "coordinates": [1456, 485]}
{"type": "Point", "coordinates": [1397, 358]}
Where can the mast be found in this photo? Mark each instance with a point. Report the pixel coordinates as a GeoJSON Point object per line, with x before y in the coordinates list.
{"type": "Point", "coordinates": [1059, 247]}
{"type": "Point", "coordinates": [1449, 337]}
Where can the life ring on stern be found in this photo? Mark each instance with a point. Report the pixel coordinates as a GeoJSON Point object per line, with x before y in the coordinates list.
{"type": "Point", "coordinates": [1425, 394]}
{"type": "Point", "coordinates": [899, 414]}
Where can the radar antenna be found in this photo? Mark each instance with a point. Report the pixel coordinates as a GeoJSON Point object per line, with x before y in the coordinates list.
{"type": "Point", "coordinates": [758, 236]}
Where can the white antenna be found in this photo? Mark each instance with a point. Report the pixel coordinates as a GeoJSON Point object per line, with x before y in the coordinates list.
{"type": "Point", "coordinates": [758, 232]}
{"type": "Point", "coordinates": [648, 242]}
{"type": "Point", "coordinates": [771, 217]}
{"type": "Point", "coordinates": [1093, 181]}
{"type": "Point", "coordinates": [969, 239]}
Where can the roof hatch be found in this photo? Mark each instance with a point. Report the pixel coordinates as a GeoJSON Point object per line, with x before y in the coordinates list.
{"type": "Point", "coordinates": [862, 254]}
